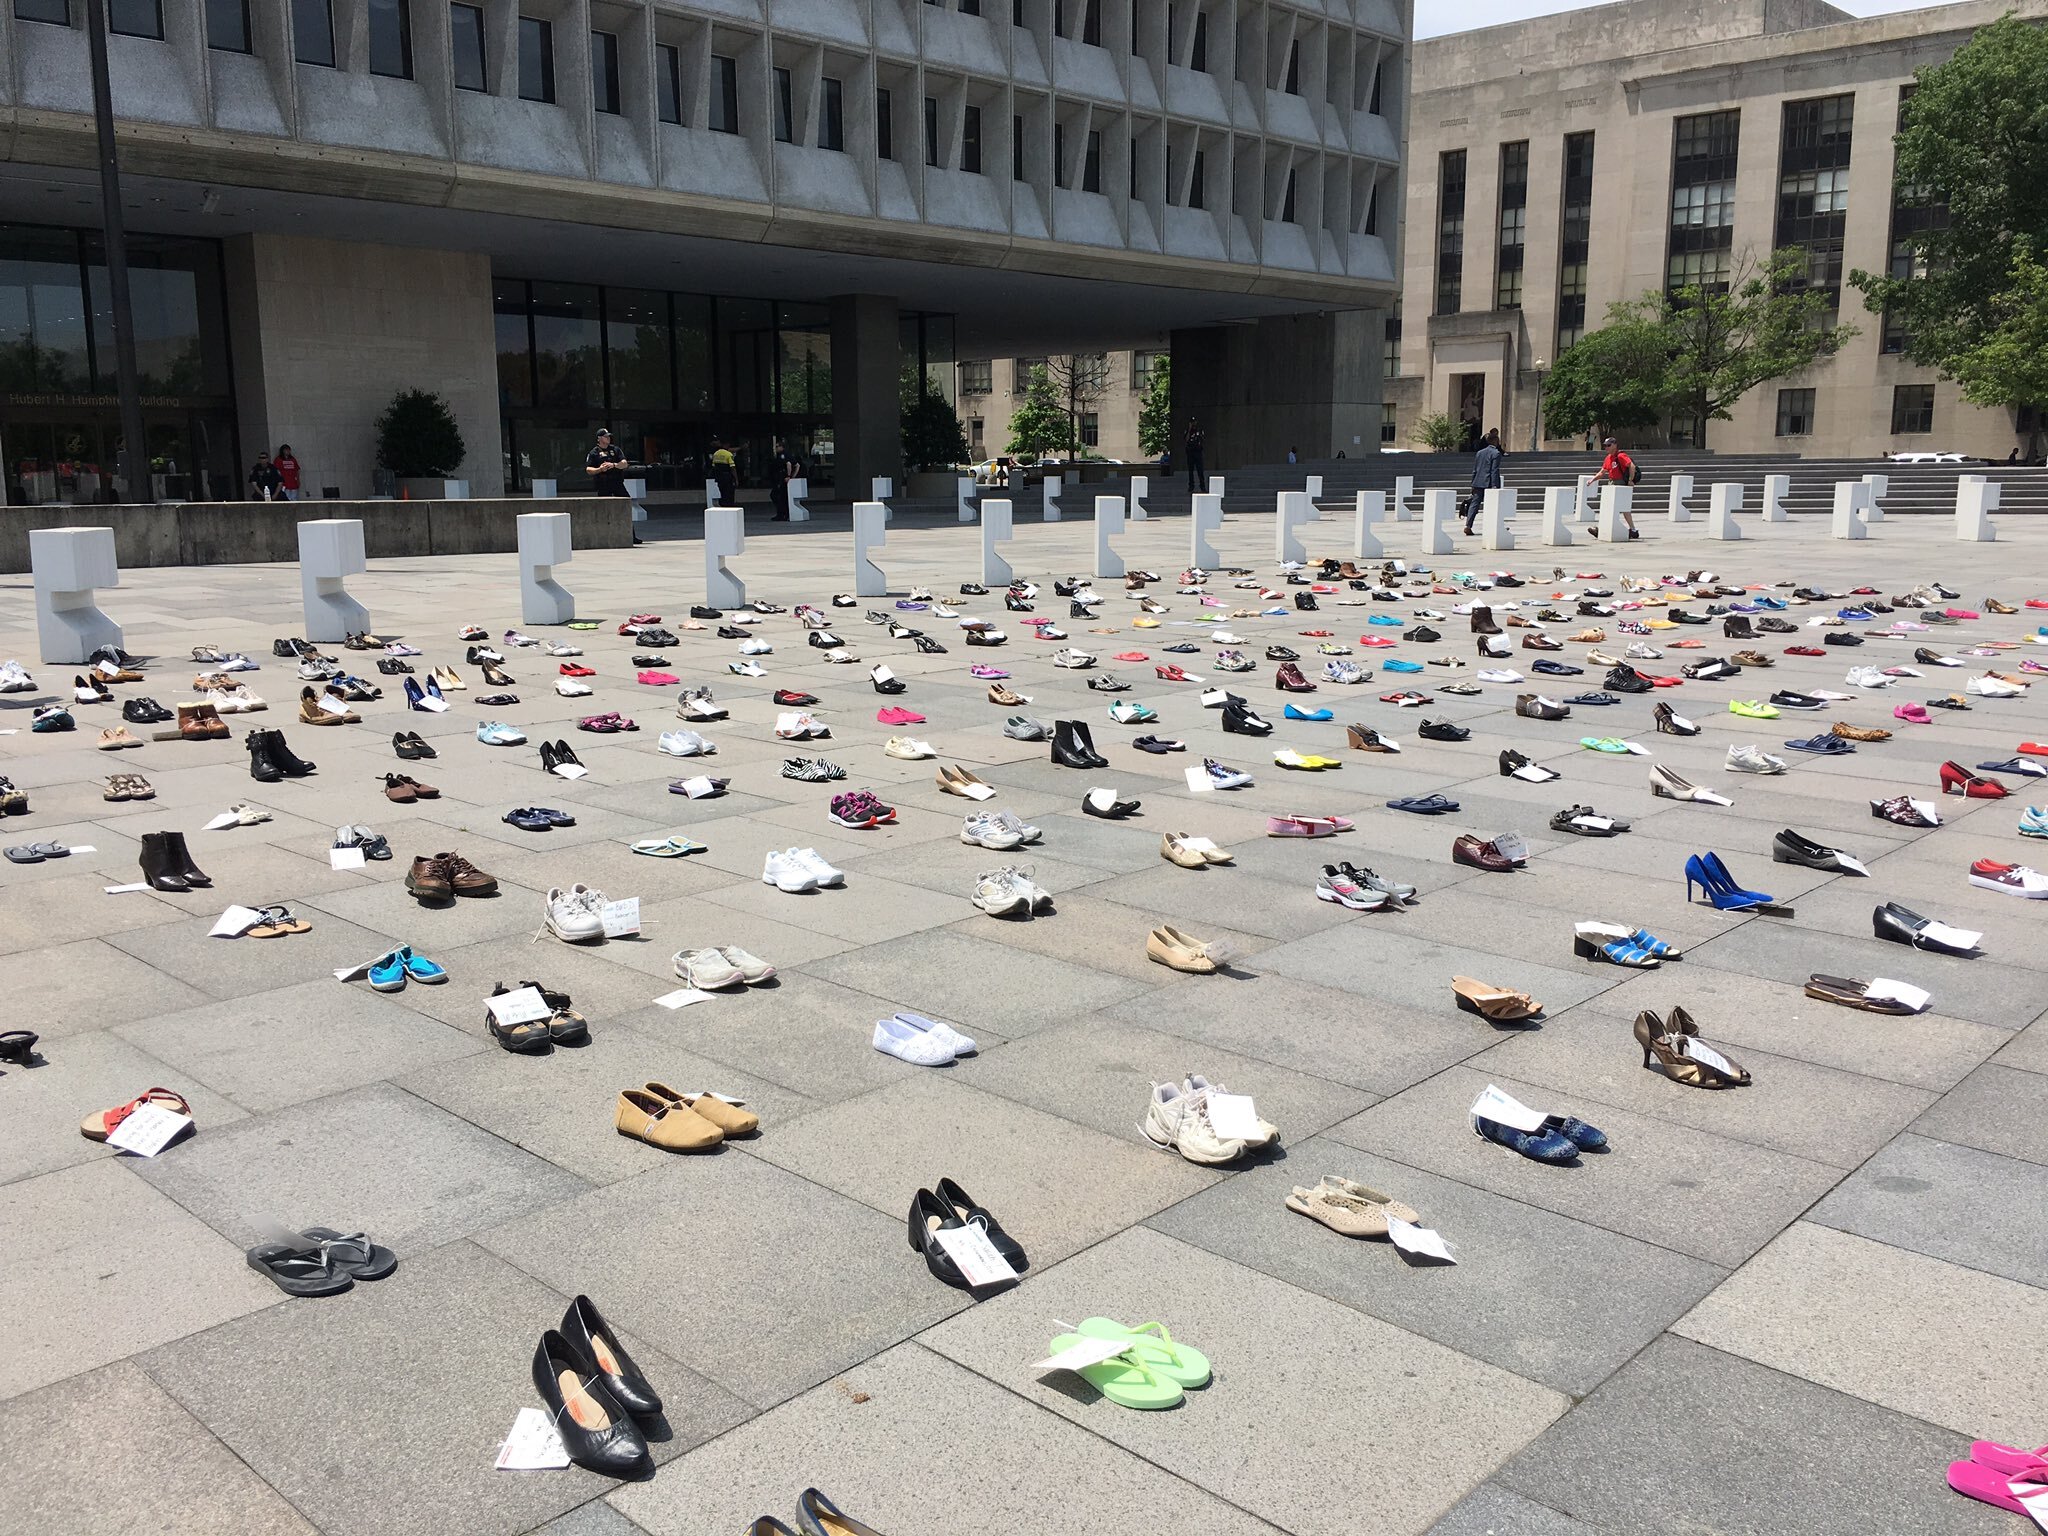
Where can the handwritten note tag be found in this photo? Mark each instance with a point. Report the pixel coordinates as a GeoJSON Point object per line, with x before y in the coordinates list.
{"type": "Point", "coordinates": [524, 1006]}
{"type": "Point", "coordinates": [1410, 1238]}
{"type": "Point", "coordinates": [331, 705]}
{"type": "Point", "coordinates": [429, 702]}
{"type": "Point", "coordinates": [534, 1445]}
{"type": "Point", "coordinates": [1199, 781]}
{"type": "Point", "coordinates": [148, 1130]}
{"type": "Point", "coordinates": [224, 819]}
{"type": "Point", "coordinates": [1507, 1110]}
{"type": "Point", "coordinates": [699, 787]}
{"type": "Point", "coordinates": [1903, 993]}
{"type": "Point", "coordinates": [234, 922]}
{"type": "Point", "coordinates": [345, 858]}
{"type": "Point", "coordinates": [620, 917]}
{"type": "Point", "coordinates": [970, 1249]}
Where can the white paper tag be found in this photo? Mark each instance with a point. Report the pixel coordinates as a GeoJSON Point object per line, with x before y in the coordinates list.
{"type": "Point", "coordinates": [1201, 844]}
{"type": "Point", "coordinates": [977, 791]}
{"type": "Point", "coordinates": [699, 787]}
{"type": "Point", "coordinates": [1637, 748]}
{"type": "Point", "coordinates": [1697, 1049]}
{"type": "Point", "coordinates": [345, 858]}
{"type": "Point", "coordinates": [2033, 1498]}
{"type": "Point", "coordinates": [1496, 1105]}
{"type": "Point", "coordinates": [148, 1130]}
{"type": "Point", "coordinates": [1410, 1238]}
{"type": "Point", "coordinates": [109, 669]}
{"type": "Point", "coordinates": [883, 675]}
{"type": "Point", "coordinates": [1533, 774]}
{"type": "Point", "coordinates": [224, 819]}
{"type": "Point", "coordinates": [428, 701]}
{"type": "Point", "coordinates": [122, 890]}
{"type": "Point", "coordinates": [1928, 809]}
{"type": "Point", "coordinates": [682, 997]}
{"type": "Point", "coordinates": [1887, 990]}
{"type": "Point", "coordinates": [1088, 1352]}
{"type": "Point", "coordinates": [521, 1007]}
{"type": "Point", "coordinates": [1597, 823]}
{"type": "Point", "coordinates": [83, 848]}
{"type": "Point", "coordinates": [534, 1444]}
{"type": "Point", "coordinates": [620, 917]}
{"type": "Point", "coordinates": [570, 770]}
{"type": "Point", "coordinates": [1199, 780]}
{"type": "Point", "coordinates": [234, 922]}
{"type": "Point", "coordinates": [362, 968]}
{"type": "Point", "coordinates": [1512, 847]}
{"type": "Point", "coordinates": [1233, 1117]}
{"type": "Point", "coordinates": [968, 1247]}
{"type": "Point", "coordinates": [1955, 938]}
{"type": "Point", "coordinates": [329, 704]}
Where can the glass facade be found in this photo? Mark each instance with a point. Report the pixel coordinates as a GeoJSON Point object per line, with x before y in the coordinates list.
{"type": "Point", "coordinates": [1813, 186]}
{"type": "Point", "coordinates": [1450, 232]}
{"type": "Point", "coordinates": [59, 415]}
{"type": "Point", "coordinates": [1514, 225]}
{"type": "Point", "coordinates": [1574, 239]}
{"type": "Point", "coordinates": [1702, 243]}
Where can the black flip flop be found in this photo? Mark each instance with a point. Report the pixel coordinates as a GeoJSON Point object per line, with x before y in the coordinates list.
{"type": "Point", "coordinates": [296, 1272]}
{"type": "Point", "coordinates": [352, 1253]}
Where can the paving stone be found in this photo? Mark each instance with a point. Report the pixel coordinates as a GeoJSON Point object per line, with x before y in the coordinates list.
{"type": "Point", "coordinates": [593, 1519]}
{"type": "Point", "coordinates": [426, 1369]}
{"type": "Point", "coordinates": [1994, 1108]}
{"type": "Point", "coordinates": [2027, 1051]}
{"type": "Point", "coordinates": [1949, 1202]}
{"type": "Point", "coordinates": [1108, 936]}
{"type": "Point", "coordinates": [1732, 1442]}
{"type": "Point", "coordinates": [1226, 897]}
{"type": "Point", "coordinates": [865, 1439]}
{"type": "Point", "coordinates": [1884, 1325]}
{"type": "Point", "coordinates": [99, 1265]}
{"type": "Point", "coordinates": [865, 910]}
{"type": "Point", "coordinates": [1493, 1511]}
{"type": "Point", "coordinates": [1963, 989]}
{"type": "Point", "coordinates": [789, 1284]}
{"type": "Point", "coordinates": [109, 1449]}
{"type": "Point", "coordinates": [239, 967]}
{"type": "Point", "coordinates": [1443, 1419]}
{"type": "Point", "coordinates": [1414, 970]}
{"type": "Point", "coordinates": [32, 916]}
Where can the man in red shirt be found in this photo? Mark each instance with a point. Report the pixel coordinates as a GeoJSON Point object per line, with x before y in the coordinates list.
{"type": "Point", "coordinates": [287, 469]}
{"type": "Point", "coordinates": [1619, 469]}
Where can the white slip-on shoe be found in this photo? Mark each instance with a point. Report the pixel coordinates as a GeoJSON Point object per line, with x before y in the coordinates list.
{"type": "Point", "coordinates": [785, 874]}
{"type": "Point", "coordinates": [921, 1048]}
{"type": "Point", "coordinates": [752, 967]}
{"type": "Point", "coordinates": [707, 970]}
{"type": "Point", "coordinates": [572, 916]}
{"type": "Point", "coordinates": [940, 1031]}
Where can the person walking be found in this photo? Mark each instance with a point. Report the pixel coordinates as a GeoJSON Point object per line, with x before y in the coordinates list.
{"type": "Point", "coordinates": [264, 479]}
{"type": "Point", "coordinates": [1485, 475]}
{"type": "Point", "coordinates": [1619, 469]}
{"type": "Point", "coordinates": [287, 471]}
{"type": "Point", "coordinates": [1192, 446]}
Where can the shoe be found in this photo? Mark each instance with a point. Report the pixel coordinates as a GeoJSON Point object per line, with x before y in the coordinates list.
{"type": "Point", "coordinates": [1620, 945]}
{"type": "Point", "coordinates": [1534, 706]}
{"type": "Point", "coordinates": [2009, 879]}
{"type": "Point", "coordinates": [1471, 851]}
{"type": "Point", "coordinates": [1747, 759]}
{"type": "Point", "coordinates": [1901, 925]}
{"type": "Point", "coordinates": [572, 915]}
{"type": "Point", "coordinates": [1179, 1121]}
{"type": "Point", "coordinates": [1713, 879]}
{"type": "Point", "coordinates": [1955, 780]}
{"type": "Point", "coordinates": [1904, 811]}
{"type": "Point", "coordinates": [597, 1431]}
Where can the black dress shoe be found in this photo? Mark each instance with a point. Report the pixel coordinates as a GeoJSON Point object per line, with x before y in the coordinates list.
{"type": "Point", "coordinates": [564, 753]}
{"type": "Point", "coordinates": [1104, 803]}
{"type": "Point", "coordinates": [391, 666]}
{"type": "Point", "coordinates": [1085, 739]}
{"type": "Point", "coordinates": [1067, 750]}
{"type": "Point", "coordinates": [593, 1338]}
{"type": "Point", "coordinates": [402, 745]}
{"type": "Point", "coordinates": [1281, 653]}
{"type": "Point", "coordinates": [819, 1516]}
{"type": "Point", "coordinates": [420, 745]}
{"type": "Point", "coordinates": [825, 640]}
{"type": "Point", "coordinates": [1240, 719]}
{"type": "Point", "coordinates": [888, 684]}
{"type": "Point", "coordinates": [1901, 925]}
{"type": "Point", "coordinates": [973, 589]}
{"type": "Point", "coordinates": [1840, 637]}
{"type": "Point", "coordinates": [1422, 634]}
{"type": "Point", "coordinates": [707, 613]}
{"type": "Point", "coordinates": [928, 645]}
{"type": "Point", "coordinates": [597, 1432]}
{"type": "Point", "coordinates": [930, 1216]}
{"type": "Point", "coordinates": [1788, 847]}
{"type": "Point", "coordinates": [731, 632]}
{"type": "Point", "coordinates": [548, 761]}
{"type": "Point", "coordinates": [1442, 730]}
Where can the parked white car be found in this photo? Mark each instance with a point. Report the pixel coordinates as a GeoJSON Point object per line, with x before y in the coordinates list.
{"type": "Point", "coordinates": [1929, 458]}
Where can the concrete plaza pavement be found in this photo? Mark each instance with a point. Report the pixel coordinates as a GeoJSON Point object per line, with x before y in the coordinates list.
{"type": "Point", "coordinates": [1782, 1308]}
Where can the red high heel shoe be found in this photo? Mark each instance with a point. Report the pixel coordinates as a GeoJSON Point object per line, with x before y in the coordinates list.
{"type": "Point", "coordinates": [1956, 781]}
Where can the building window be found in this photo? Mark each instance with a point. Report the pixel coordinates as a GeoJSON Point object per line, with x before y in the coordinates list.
{"type": "Point", "coordinates": [832, 122]}
{"type": "Point", "coordinates": [466, 40]}
{"type": "Point", "coordinates": [1020, 373]}
{"type": "Point", "coordinates": [227, 25]}
{"type": "Point", "coordinates": [977, 378]}
{"type": "Point", "coordinates": [1091, 430]}
{"type": "Point", "coordinates": [668, 82]}
{"type": "Point", "coordinates": [1293, 83]}
{"type": "Point", "coordinates": [1388, 425]}
{"type": "Point", "coordinates": [536, 59]}
{"type": "Point", "coordinates": [1813, 187]}
{"type": "Point", "coordinates": [1916, 213]}
{"type": "Point", "coordinates": [56, 12]}
{"type": "Point", "coordinates": [136, 18]}
{"type": "Point", "coordinates": [1379, 76]}
{"type": "Point", "coordinates": [1390, 345]}
{"type": "Point", "coordinates": [725, 95]}
{"type": "Point", "coordinates": [1574, 239]}
{"type": "Point", "coordinates": [931, 130]}
{"type": "Point", "coordinates": [313, 32]}
{"type": "Point", "coordinates": [1795, 413]}
{"type": "Point", "coordinates": [391, 38]}
{"type": "Point", "coordinates": [1198, 55]}
{"type": "Point", "coordinates": [1287, 200]}
{"type": "Point", "coordinates": [604, 72]}
{"type": "Point", "coordinates": [1702, 239]}
{"type": "Point", "coordinates": [1514, 225]}
{"type": "Point", "coordinates": [975, 434]}
{"type": "Point", "coordinates": [970, 141]}
{"type": "Point", "coordinates": [1913, 408]}
{"type": "Point", "coordinates": [785, 109]}
{"type": "Point", "coordinates": [1017, 148]}
{"type": "Point", "coordinates": [1195, 191]}
{"type": "Point", "coordinates": [1091, 164]}
{"type": "Point", "coordinates": [1142, 364]}
{"type": "Point", "coordinates": [885, 136]}
{"type": "Point", "coordinates": [1450, 231]}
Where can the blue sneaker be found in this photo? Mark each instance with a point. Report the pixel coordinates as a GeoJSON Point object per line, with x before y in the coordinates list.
{"type": "Point", "coordinates": [495, 733]}
{"type": "Point", "coordinates": [1544, 1146]}
{"type": "Point", "coordinates": [1854, 615]}
{"type": "Point", "coordinates": [2034, 822]}
{"type": "Point", "coordinates": [1291, 713]}
{"type": "Point", "coordinates": [388, 974]}
{"type": "Point", "coordinates": [1401, 666]}
{"type": "Point", "coordinates": [420, 968]}
{"type": "Point", "coordinates": [1385, 618]}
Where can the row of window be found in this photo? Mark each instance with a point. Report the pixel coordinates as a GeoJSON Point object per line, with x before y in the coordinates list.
{"type": "Point", "coordinates": [978, 378]}
{"type": "Point", "coordinates": [1912, 410]}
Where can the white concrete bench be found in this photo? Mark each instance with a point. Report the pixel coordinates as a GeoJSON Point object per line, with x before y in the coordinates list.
{"type": "Point", "coordinates": [1050, 487]}
{"type": "Point", "coordinates": [996, 528]}
{"type": "Point", "coordinates": [1976, 499]}
{"type": "Point", "coordinates": [1559, 503]}
{"type": "Point", "coordinates": [870, 532]}
{"type": "Point", "coordinates": [544, 547]}
{"type": "Point", "coordinates": [1439, 509]}
{"type": "Point", "coordinates": [1676, 509]}
{"type": "Point", "coordinates": [1874, 488]}
{"type": "Point", "coordinates": [1207, 518]}
{"type": "Point", "coordinates": [1724, 500]}
{"type": "Point", "coordinates": [1291, 509]}
{"type": "Point", "coordinates": [1776, 489]}
{"type": "Point", "coordinates": [725, 536]}
{"type": "Point", "coordinates": [1497, 518]}
{"type": "Point", "coordinates": [1404, 487]}
{"type": "Point", "coordinates": [1109, 524]}
{"type": "Point", "coordinates": [69, 566]}
{"type": "Point", "coordinates": [799, 495]}
{"type": "Point", "coordinates": [963, 498]}
{"type": "Point", "coordinates": [1371, 508]}
{"type": "Point", "coordinates": [331, 551]}
{"type": "Point", "coordinates": [1614, 501]}
{"type": "Point", "coordinates": [1849, 504]}
{"type": "Point", "coordinates": [1141, 487]}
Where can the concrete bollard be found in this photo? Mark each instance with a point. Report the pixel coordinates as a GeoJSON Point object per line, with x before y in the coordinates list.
{"type": "Point", "coordinates": [963, 498]}
{"type": "Point", "coordinates": [1051, 487]}
{"type": "Point", "coordinates": [1439, 508]}
{"type": "Point", "coordinates": [1976, 499]}
{"type": "Point", "coordinates": [1849, 504]}
{"type": "Point", "coordinates": [725, 536]}
{"type": "Point", "coordinates": [1141, 487]}
{"type": "Point", "coordinates": [544, 547]}
{"type": "Point", "coordinates": [1724, 500]}
{"type": "Point", "coordinates": [710, 493]}
{"type": "Point", "coordinates": [870, 531]}
{"type": "Point", "coordinates": [1290, 510]}
{"type": "Point", "coordinates": [1207, 517]}
{"type": "Point", "coordinates": [544, 490]}
{"type": "Point", "coordinates": [1586, 499]}
{"type": "Point", "coordinates": [1874, 487]}
{"type": "Point", "coordinates": [636, 492]}
{"type": "Point", "coordinates": [1404, 487]}
{"type": "Point", "coordinates": [1371, 507]}
{"type": "Point", "coordinates": [1676, 509]}
{"type": "Point", "coordinates": [1615, 500]}
{"type": "Point", "coordinates": [799, 495]}
{"type": "Point", "coordinates": [69, 565]}
{"type": "Point", "coordinates": [1313, 487]}
{"type": "Point", "coordinates": [883, 490]}
{"type": "Point", "coordinates": [996, 528]}
{"type": "Point", "coordinates": [1497, 518]}
{"type": "Point", "coordinates": [1109, 524]}
{"type": "Point", "coordinates": [331, 551]}
{"type": "Point", "coordinates": [1559, 502]}
{"type": "Point", "coordinates": [1216, 486]}
{"type": "Point", "coordinates": [1776, 489]}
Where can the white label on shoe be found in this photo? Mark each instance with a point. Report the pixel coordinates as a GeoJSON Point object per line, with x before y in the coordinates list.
{"type": "Point", "coordinates": [1853, 866]}
{"type": "Point", "coordinates": [234, 922]}
{"type": "Point", "coordinates": [682, 997]}
{"type": "Point", "coordinates": [362, 968]}
{"type": "Point", "coordinates": [1886, 990]}
{"type": "Point", "coordinates": [1708, 797]}
{"type": "Point", "coordinates": [329, 704]}
{"type": "Point", "coordinates": [521, 1007]}
{"type": "Point", "coordinates": [224, 819]}
{"type": "Point", "coordinates": [1410, 1238]}
{"type": "Point", "coordinates": [122, 890]}
{"type": "Point", "coordinates": [977, 792]}
{"type": "Point", "coordinates": [1597, 823]}
{"type": "Point", "coordinates": [534, 1445]}
{"type": "Point", "coordinates": [83, 848]}
{"type": "Point", "coordinates": [1638, 748]}
{"type": "Point", "coordinates": [1201, 844]}
{"type": "Point", "coordinates": [620, 917]}
{"type": "Point", "coordinates": [2031, 1497]}
{"type": "Point", "coordinates": [1693, 1047]}
{"type": "Point", "coordinates": [1955, 938]}
{"type": "Point", "coordinates": [345, 858]}
{"type": "Point", "coordinates": [970, 1249]}
{"type": "Point", "coordinates": [1199, 781]}
{"type": "Point", "coordinates": [570, 770]}
{"type": "Point", "coordinates": [1233, 1117]}
{"type": "Point", "coordinates": [428, 701]}
{"type": "Point", "coordinates": [148, 1130]}
{"type": "Point", "coordinates": [1533, 774]}
{"type": "Point", "coordinates": [883, 675]}
{"type": "Point", "coordinates": [108, 669]}
{"type": "Point", "coordinates": [1088, 1352]}
{"type": "Point", "coordinates": [1496, 1105]}
{"type": "Point", "coordinates": [1512, 847]}
{"type": "Point", "coordinates": [699, 787]}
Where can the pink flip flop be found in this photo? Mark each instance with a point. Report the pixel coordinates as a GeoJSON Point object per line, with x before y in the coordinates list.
{"type": "Point", "coordinates": [2007, 1459]}
{"type": "Point", "coordinates": [1989, 1487]}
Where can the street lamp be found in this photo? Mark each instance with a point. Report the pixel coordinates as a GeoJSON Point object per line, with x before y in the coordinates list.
{"type": "Point", "coordinates": [1536, 420]}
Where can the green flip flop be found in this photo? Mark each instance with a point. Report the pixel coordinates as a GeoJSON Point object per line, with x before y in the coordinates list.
{"type": "Point", "coordinates": [1124, 1381]}
{"type": "Point", "coordinates": [1153, 1347]}
{"type": "Point", "coordinates": [1601, 744]}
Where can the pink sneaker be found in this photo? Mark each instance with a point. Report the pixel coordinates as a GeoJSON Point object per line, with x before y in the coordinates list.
{"type": "Point", "coordinates": [1916, 714]}
{"type": "Point", "coordinates": [658, 679]}
{"type": "Point", "coordinates": [895, 714]}
{"type": "Point", "coordinates": [987, 673]}
{"type": "Point", "coordinates": [1962, 613]}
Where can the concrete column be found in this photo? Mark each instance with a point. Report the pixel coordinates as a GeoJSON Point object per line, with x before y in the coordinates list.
{"type": "Point", "coordinates": [330, 551]}
{"type": "Point", "coordinates": [1497, 525]}
{"type": "Point", "coordinates": [725, 535]}
{"type": "Point", "coordinates": [995, 529]}
{"type": "Point", "coordinates": [1874, 487]}
{"type": "Point", "coordinates": [1681, 487]}
{"type": "Point", "coordinates": [1559, 503]}
{"type": "Point", "coordinates": [1206, 517]}
{"type": "Point", "coordinates": [867, 427]}
{"type": "Point", "coordinates": [1438, 509]}
{"type": "Point", "coordinates": [69, 567]}
{"type": "Point", "coordinates": [1141, 487]}
{"type": "Point", "coordinates": [1365, 543]}
{"type": "Point", "coordinates": [1724, 500]}
{"type": "Point", "coordinates": [1776, 489]}
{"type": "Point", "coordinates": [1109, 524]}
{"type": "Point", "coordinates": [1291, 509]}
{"type": "Point", "coordinates": [1615, 500]}
{"type": "Point", "coordinates": [1585, 497]}
{"type": "Point", "coordinates": [869, 533]}
{"type": "Point", "coordinates": [544, 548]}
{"type": "Point", "coordinates": [1404, 487]}
{"type": "Point", "coordinates": [1849, 503]}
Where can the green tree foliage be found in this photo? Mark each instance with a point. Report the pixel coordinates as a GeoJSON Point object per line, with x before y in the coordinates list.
{"type": "Point", "coordinates": [932, 435]}
{"type": "Point", "coordinates": [1155, 416]}
{"type": "Point", "coordinates": [1616, 377]}
{"type": "Point", "coordinates": [1972, 301]}
{"type": "Point", "coordinates": [417, 437]}
{"type": "Point", "coordinates": [1438, 431]}
{"type": "Point", "coordinates": [1040, 425]}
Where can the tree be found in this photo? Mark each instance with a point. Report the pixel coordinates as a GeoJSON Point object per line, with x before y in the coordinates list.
{"type": "Point", "coordinates": [1618, 376]}
{"type": "Point", "coordinates": [1969, 295]}
{"type": "Point", "coordinates": [417, 437]}
{"type": "Point", "coordinates": [932, 438]}
{"type": "Point", "coordinates": [1039, 426]}
{"type": "Point", "coordinates": [1079, 380]}
{"type": "Point", "coordinates": [1723, 342]}
{"type": "Point", "coordinates": [1155, 416]}
{"type": "Point", "coordinates": [1438, 431]}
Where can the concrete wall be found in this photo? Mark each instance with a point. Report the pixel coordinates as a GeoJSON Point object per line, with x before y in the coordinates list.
{"type": "Point", "coordinates": [1310, 383]}
{"type": "Point", "coordinates": [325, 332]}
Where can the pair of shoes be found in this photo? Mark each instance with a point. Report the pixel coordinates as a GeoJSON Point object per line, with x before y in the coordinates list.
{"type": "Point", "coordinates": [1180, 1118]}
{"type": "Point", "coordinates": [727, 965]}
{"type": "Point", "coordinates": [593, 1393]}
{"type": "Point", "coordinates": [1584, 821]}
{"type": "Point", "coordinates": [1353, 1209]}
{"type": "Point", "coordinates": [1155, 1371]}
{"type": "Point", "coordinates": [997, 830]}
{"type": "Point", "coordinates": [1706, 871]}
{"type": "Point", "coordinates": [816, 1515]}
{"type": "Point", "coordinates": [575, 915]}
{"type": "Point", "coordinates": [1191, 852]}
{"type": "Point", "coordinates": [390, 972]}
{"type": "Point", "coordinates": [1620, 945]}
{"type": "Point", "coordinates": [1072, 747]}
{"type": "Point", "coordinates": [442, 877]}
{"type": "Point", "coordinates": [800, 871]}
{"type": "Point", "coordinates": [1557, 1139]}
{"type": "Point", "coordinates": [921, 1041]}
{"type": "Point", "coordinates": [321, 1262]}
{"type": "Point", "coordinates": [860, 810]}
{"type": "Point", "coordinates": [530, 1025]}
{"type": "Point", "coordinates": [681, 1122]}
{"type": "Point", "coordinates": [1497, 856]}
{"type": "Point", "coordinates": [166, 862]}
{"type": "Point", "coordinates": [1500, 1005]}
{"type": "Point", "coordinates": [1007, 891]}
{"type": "Point", "coordinates": [949, 1208]}
{"type": "Point", "coordinates": [1178, 951]}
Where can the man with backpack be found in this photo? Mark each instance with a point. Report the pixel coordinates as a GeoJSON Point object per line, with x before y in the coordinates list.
{"type": "Point", "coordinates": [1619, 469]}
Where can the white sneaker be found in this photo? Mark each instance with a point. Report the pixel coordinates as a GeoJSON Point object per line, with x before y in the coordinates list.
{"type": "Point", "coordinates": [921, 1048]}
{"type": "Point", "coordinates": [1642, 652]}
{"type": "Point", "coordinates": [746, 669]}
{"type": "Point", "coordinates": [1077, 660]}
{"type": "Point", "coordinates": [516, 637]}
{"type": "Point", "coordinates": [1499, 675]}
{"type": "Point", "coordinates": [1224, 637]}
{"type": "Point", "coordinates": [753, 968]}
{"type": "Point", "coordinates": [1993, 688]}
{"type": "Point", "coordinates": [557, 648]}
{"type": "Point", "coordinates": [1747, 759]}
{"type": "Point", "coordinates": [707, 970]}
{"type": "Point", "coordinates": [753, 646]}
{"type": "Point", "coordinates": [996, 896]}
{"type": "Point", "coordinates": [237, 663]}
{"type": "Point", "coordinates": [697, 705]}
{"type": "Point", "coordinates": [1179, 1122]}
{"type": "Point", "coordinates": [684, 744]}
{"type": "Point", "coordinates": [1012, 822]}
{"type": "Point", "coordinates": [1195, 1083]}
{"type": "Point", "coordinates": [908, 747]}
{"type": "Point", "coordinates": [786, 874]}
{"type": "Point", "coordinates": [14, 678]}
{"type": "Point", "coordinates": [985, 829]}
{"type": "Point", "coordinates": [1021, 882]}
{"type": "Point", "coordinates": [940, 1031]}
{"type": "Point", "coordinates": [569, 688]}
{"type": "Point", "coordinates": [1867, 677]}
{"type": "Point", "coordinates": [572, 915]}
{"type": "Point", "coordinates": [813, 863]}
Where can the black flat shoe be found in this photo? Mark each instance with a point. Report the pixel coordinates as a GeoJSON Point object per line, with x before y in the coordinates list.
{"type": "Point", "coordinates": [972, 1214]}
{"type": "Point", "coordinates": [593, 1338]}
{"type": "Point", "coordinates": [403, 746]}
{"type": "Point", "coordinates": [1788, 847]}
{"type": "Point", "coordinates": [421, 745]}
{"type": "Point", "coordinates": [1901, 925]}
{"type": "Point", "coordinates": [596, 1430]}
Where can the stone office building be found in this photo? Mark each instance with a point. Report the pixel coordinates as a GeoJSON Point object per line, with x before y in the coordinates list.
{"type": "Point", "coordinates": [684, 220]}
{"type": "Point", "coordinates": [1566, 163]}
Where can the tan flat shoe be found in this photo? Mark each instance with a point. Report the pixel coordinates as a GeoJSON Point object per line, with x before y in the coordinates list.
{"type": "Point", "coordinates": [312, 714]}
{"type": "Point", "coordinates": [672, 1126]}
{"type": "Point", "coordinates": [116, 737]}
{"type": "Point", "coordinates": [1174, 849]}
{"type": "Point", "coordinates": [1341, 1211]}
{"type": "Point", "coordinates": [730, 1119]}
{"type": "Point", "coordinates": [1592, 636]}
{"type": "Point", "coordinates": [1176, 950]}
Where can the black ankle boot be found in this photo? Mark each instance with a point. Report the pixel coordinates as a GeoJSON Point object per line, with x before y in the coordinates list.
{"type": "Point", "coordinates": [180, 861]}
{"type": "Point", "coordinates": [158, 867]}
{"type": "Point", "coordinates": [261, 768]}
{"type": "Point", "coordinates": [289, 761]}
{"type": "Point", "coordinates": [1085, 740]}
{"type": "Point", "coordinates": [1066, 747]}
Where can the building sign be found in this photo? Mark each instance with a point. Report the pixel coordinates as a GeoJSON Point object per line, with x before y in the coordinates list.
{"type": "Point", "coordinates": [111, 402]}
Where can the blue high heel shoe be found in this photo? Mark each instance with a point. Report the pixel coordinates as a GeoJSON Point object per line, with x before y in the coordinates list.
{"type": "Point", "coordinates": [1708, 873]}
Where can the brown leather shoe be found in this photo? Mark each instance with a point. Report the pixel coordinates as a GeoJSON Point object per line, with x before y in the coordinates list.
{"type": "Point", "coordinates": [1480, 855]}
{"type": "Point", "coordinates": [666, 1123]}
{"type": "Point", "coordinates": [1288, 679]}
{"type": "Point", "coordinates": [731, 1119]}
{"type": "Point", "coordinates": [1850, 732]}
{"type": "Point", "coordinates": [1539, 642]}
{"type": "Point", "coordinates": [1482, 620]}
{"type": "Point", "coordinates": [464, 877]}
{"type": "Point", "coordinates": [1752, 659]}
{"type": "Point", "coordinates": [428, 881]}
